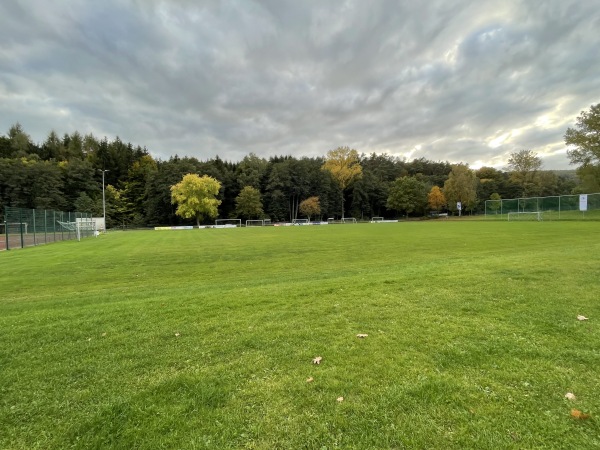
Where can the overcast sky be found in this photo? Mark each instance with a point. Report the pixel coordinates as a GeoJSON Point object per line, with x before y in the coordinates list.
{"type": "Point", "coordinates": [462, 81]}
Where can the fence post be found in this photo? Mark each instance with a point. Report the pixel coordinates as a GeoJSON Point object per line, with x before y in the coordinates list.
{"type": "Point", "coordinates": [33, 223]}
{"type": "Point", "coordinates": [21, 227]}
{"type": "Point", "coordinates": [6, 229]}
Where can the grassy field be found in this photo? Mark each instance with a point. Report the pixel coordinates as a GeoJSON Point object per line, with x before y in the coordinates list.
{"type": "Point", "coordinates": [205, 338]}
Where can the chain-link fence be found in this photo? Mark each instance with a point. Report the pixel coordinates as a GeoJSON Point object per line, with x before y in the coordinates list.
{"type": "Point", "coordinates": [28, 227]}
{"type": "Point", "coordinates": [560, 207]}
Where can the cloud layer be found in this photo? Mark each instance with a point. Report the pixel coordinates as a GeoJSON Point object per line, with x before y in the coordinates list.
{"type": "Point", "coordinates": [460, 81]}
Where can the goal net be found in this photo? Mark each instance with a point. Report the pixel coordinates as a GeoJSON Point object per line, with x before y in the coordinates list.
{"type": "Point", "coordinates": [348, 220]}
{"type": "Point", "coordinates": [377, 219]}
{"type": "Point", "coordinates": [228, 223]}
{"type": "Point", "coordinates": [69, 226]}
{"type": "Point", "coordinates": [255, 223]}
{"type": "Point", "coordinates": [525, 216]}
{"type": "Point", "coordinates": [82, 227]}
{"type": "Point", "coordinates": [300, 222]}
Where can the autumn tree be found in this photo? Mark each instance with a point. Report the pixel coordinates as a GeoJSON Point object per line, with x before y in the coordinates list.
{"type": "Point", "coordinates": [310, 207]}
{"type": "Point", "coordinates": [584, 148]}
{"type": "Point", "coordinates": [436, 199]}
{"type": "Point", "coordinates": [195, 197]}
{"type": "Point", "coordinates": [461, 186]}
{"type": "Point", "coordinates": [408, 194]}
{"type": "Point", "coordinates": [344, 166]}
{"type": "Point", "coordinates": [248, 203]}
{"type": "Point", "coordinates": [523, 167]}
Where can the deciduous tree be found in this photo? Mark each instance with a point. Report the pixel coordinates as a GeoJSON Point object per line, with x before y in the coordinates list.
{"type": "Point", "coordinates": [310, 207]}
{"type": "Point", "coordinates": [248, 203]}
{"type": "Point", "coordinates": [524, 166]}
{"type": "Point", "coordinates": [195, 197]}
{"type": "Point", "coordinates": [584, 147]}
{"type": "Point", "coordinates": [436, 199]}
{"type": "Point", "coordinates": [344, 166]}
{"type": "Point", "coordinates": [496, 203]}
{"type": "Point", "coordinates": [408, 194]}
{"type": "Point", "coordinates": [461, 186]}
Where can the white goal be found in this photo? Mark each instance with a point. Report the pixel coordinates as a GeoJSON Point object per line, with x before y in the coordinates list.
{"type": "Point", "coordinates": [13, 228]}
{"type": "Point", "coordinates": [377, 220]}
{"type": "Point", "coordinates": [228, 223]}
{"type": "Point", "coordinates": [525, 215]}
{"type": "Point", "coordinates": [255, 223]}
{"type": "Point", "coordinates": [348, 220]}
{"type": "Point", "coordinates": [300, 222]}
{"type": "Point", "coordinates": [82, 227]}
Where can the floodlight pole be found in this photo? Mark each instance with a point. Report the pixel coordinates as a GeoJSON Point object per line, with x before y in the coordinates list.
{"type": "Point", "coordinates": [103, 198]}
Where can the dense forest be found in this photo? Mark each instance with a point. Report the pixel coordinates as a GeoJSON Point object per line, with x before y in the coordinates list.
{"type": "Point", "coordinates": [65, 173]}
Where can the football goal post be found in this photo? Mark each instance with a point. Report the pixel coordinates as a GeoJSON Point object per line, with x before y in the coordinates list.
{"type": "Point", "coordinates": [348, 220]}
{"type": "Point", "coordinates": [228, 223]}
{"type": "Point", "coordinates": [300, 221]}
{"type": "Point", "coordinates": [13, 228]}
{"type": "Point", "coordinates": [255, 223]}
{"type": "Point", "coordinates": [525, 215]}
{"type": "Point", "coordinates": [81, 227]}
{"type": "Point", "coordinates": [377, 220]}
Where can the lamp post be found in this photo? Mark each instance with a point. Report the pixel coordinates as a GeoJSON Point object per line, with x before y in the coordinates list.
{"type": "Point", "coordinates": [103, 198]}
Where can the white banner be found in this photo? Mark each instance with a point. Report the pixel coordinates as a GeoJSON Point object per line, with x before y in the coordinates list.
{"type": "Point", "coordinates": [583, 202]}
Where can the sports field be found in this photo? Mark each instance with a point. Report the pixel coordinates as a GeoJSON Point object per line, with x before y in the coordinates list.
{"type": "Point", "coordinates": [206, 338]}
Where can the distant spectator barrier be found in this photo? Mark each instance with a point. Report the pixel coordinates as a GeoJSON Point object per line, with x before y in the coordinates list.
{"type": "Point", "coordinates": [559, 207]}
{"type": "Point", "coordinates": [28, 227]}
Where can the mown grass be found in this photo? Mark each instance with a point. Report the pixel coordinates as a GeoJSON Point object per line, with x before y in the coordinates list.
{"type": "Point", "coordinates": [204, 338]}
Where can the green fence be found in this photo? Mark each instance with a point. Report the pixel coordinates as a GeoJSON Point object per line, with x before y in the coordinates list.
{"type": "Point", "coordinates": [28, 227]}
{"type": "Point", "coordinates": [560, 207]}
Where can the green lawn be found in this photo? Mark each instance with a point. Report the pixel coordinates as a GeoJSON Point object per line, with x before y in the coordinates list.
{"type": "Point", "coordinates": [205, 338]}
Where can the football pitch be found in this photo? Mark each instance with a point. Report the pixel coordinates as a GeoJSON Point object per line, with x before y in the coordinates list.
{"type": "Point", "coordinates": [196, 339]}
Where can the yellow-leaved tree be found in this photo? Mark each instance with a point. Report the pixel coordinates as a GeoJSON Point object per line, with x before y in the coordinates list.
{"type": "Point", "coordinates": [195, 197]}
{"type": "Point", "coordinates": [436, 199]}
{"type": "Point", "coordinates": [461, 187]}
{"type": "Point", "coordinates": [310, 207]}
{"type": "Point", "coordinates": [344, 166]}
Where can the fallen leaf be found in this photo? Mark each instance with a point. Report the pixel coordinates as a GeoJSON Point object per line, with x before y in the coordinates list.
{"type": "Point", "coordinates": [360, 335]}
{"type": "Point", "coordinates": [177, 334]}
{"type": "Point", "coordinates": [103, 334]}
{"type": "Point", "coordinates": [340, 399]}
{"type": "Point", "coordinates": [570, 396]}
{"type": "Point", "coordinates": [310, 379]}
{"type": "Point", "coordinates": [576, 414]}
{"type": "Point", "coordinates": [580, 317]}
{"type": "Point", "coordinates": [317, 360]}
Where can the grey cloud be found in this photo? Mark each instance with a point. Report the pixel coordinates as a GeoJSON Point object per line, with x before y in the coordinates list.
{"type": "Point", "coordinates": [439, 80]}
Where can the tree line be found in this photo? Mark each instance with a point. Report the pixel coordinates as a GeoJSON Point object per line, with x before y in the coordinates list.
{"type": "Point", "coordinates": [65, 173]}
